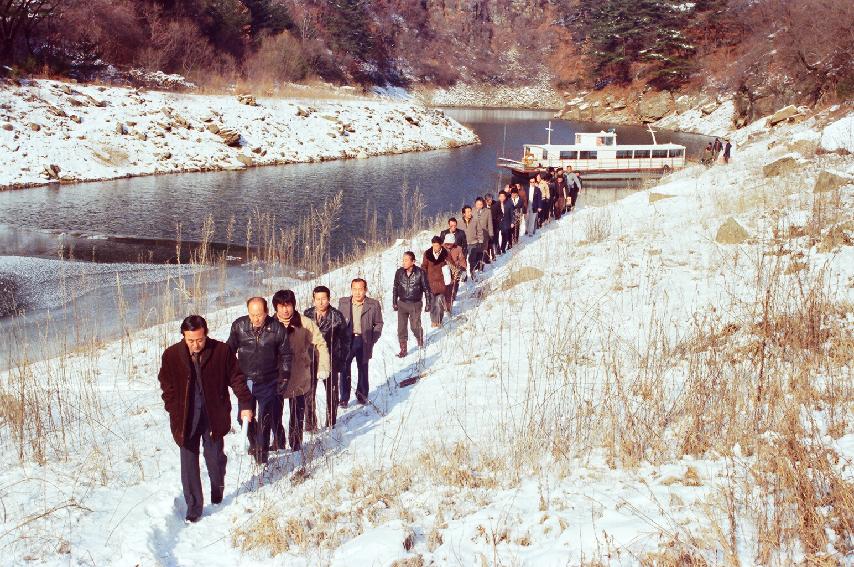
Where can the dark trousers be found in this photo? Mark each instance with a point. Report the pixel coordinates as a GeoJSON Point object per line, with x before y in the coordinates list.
{"type": "Point", "coordinates": [191, 476]}
{"type": "Point", "coordinates": [357, 354]}
{"type": "Point", "coordinates": [331, 387]}
{"type": "Point", "coordinates": [560, 206]}
{"type": "Point", "coordinates": [451, 294]}
{"type": "Point", "coordinates": [544, 212]}
{"type": "Point", "coordinates": [267, 405]}
{"type": "Point", "coordinates": [505, 240]}
{"type": "Point", "coordinates": [437, 309]}
{"type": "Point", "coordinates": [408, 311]}
{"type": "Point", "coordinates": [475, 257]}
{"type": "Point", "coordinates": [514, 233]}
{"type": "Point", "coordinates": [296, 405]}
{"type": "Point", "coordinates": [573, 196]}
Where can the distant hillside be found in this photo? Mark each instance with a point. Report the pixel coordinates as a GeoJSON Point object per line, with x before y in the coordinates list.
{"type": "Point", "coordinates": [772, 52]}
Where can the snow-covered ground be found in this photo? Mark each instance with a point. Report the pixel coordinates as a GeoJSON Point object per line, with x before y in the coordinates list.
{"type": "Point", "coordinates": [539, 93]}
{"type": "Point", "coordinates": [94, 132]}
{"type": "Point", "coordinates": [510, 449]}
{"type": "Point", "coordinates": [717, 122]}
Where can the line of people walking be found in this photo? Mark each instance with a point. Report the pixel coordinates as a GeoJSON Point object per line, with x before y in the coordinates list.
{"type": "Point", "coordinates": [285, 355]}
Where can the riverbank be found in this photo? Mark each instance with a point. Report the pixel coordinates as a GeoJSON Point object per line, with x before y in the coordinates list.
{"type": "Point", "coordinates": [662, 380]}
{"type": "Point", "coordinates": [63, 133]}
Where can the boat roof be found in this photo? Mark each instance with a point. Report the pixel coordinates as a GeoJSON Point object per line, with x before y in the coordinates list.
{"type": "Point", "coordinates": [668, 145]}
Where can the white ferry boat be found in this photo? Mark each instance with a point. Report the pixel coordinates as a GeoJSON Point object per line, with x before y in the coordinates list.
{"type": "Point", "coordinates": [598, 156]}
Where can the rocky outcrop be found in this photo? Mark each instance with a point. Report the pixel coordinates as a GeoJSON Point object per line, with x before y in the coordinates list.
{"type": "Point", "coordinates": [230, 136]}
{"type": "Point", "coordinates": [782, 166]}
{"type": "Point", "coordinates": [784, 113]}
{"type": "Point", "coordinates": [828, 181]}
{"type": "Point", "coordinates": [731, 232]}
{"type": "Point", "coordinates": [655, 105]}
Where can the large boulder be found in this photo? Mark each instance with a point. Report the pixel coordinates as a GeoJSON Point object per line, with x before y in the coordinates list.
{"type": "Point", "coordinates": [655, 105]}
{"type": "Point", "coordinates": [731, 232]}
{"type": "Point", "coordinates": [230, 136]}
{"type": "Point", "coordinates": [781, 166]}
{"type": "Point", "coordinates": [247, 99]}
{"type": "Point", "coordinates": [783, 114]}
{"type": "Point", "coordinates": [828, 181]}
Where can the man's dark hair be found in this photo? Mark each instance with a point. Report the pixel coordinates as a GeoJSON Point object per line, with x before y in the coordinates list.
{"type": "Point", "coordinates": [357, 280]}
{"type": "Point", "coordinates": [194, 323]}
{"type": "Point", "coordinates": [452, 219]}
{"type": "Point", "coordinates": [322, 289]}
{"type": "Point", "coordinates": [466, 207]}
{"type": "Point", "coordinates": [259, 300]}
{"type": "Point", "coordinates": [488, 196]}
{"type": "Point", "coordinates": [284, 296]}
{"type": "Point", "coordinates": [410, 253]}
{"type": "Point", "coordinates": [479, 199]}
{"type": "Point", "coordinates": [514, 190]}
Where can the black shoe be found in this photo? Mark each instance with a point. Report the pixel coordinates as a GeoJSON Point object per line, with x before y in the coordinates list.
{"type": "Point", "coordinates": [343, 405]}
{"type": "Point", "coordinates": [191, 519]}
{"type": "Point", "coordinates": [361, 400]}
{"type": "Point", "coordinates": [216, 498]}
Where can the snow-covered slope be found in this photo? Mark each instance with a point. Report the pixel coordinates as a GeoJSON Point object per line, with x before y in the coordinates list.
{"type": "Point", "coordinates": [531, 436]}
{"type": "Point", "coordinates": [92, 132]}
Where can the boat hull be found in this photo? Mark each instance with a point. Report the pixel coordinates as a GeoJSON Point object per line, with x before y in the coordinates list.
{"type": "Point", "coordinates": [525, 173]}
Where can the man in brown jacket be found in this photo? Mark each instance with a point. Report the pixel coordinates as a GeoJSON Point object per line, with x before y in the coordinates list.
{"type": "Point", "coordinates": [364, 318]}
{"type": "Point", "coordinates": [433, 263]}
{"type": "Point", "coordinates": [307, 345]}
{"type": "Point", "coordinates": [195, 374]}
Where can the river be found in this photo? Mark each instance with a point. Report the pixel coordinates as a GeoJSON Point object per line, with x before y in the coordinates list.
{"type": "Point", "coordinates": [129, 228]}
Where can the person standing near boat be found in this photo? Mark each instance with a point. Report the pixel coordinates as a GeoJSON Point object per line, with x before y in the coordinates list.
{"type": "Point", "coordinates": [518, 211]}
{"type": "Point", "coordinates": [727, 151]}
{"type": "Point", "coordinates": [484, 226]}
{"type": "Point", "coordinates": [494, 209]}
{"type": "Point", "coordinates": [546, 200]}
{"type": "Point", "coordinates": [573, 184]}
{"type": "Point", "coordinates": [535, 203]}
{"type": "Point", "coordinates": [560, 194]}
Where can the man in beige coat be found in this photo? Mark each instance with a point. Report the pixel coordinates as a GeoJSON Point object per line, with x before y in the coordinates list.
{"type": "Point", "coordinates": [307, 345]}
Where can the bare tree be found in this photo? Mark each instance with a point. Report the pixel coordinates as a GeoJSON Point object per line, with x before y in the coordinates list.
{"type": "Point", "coordinates": [19, 19]}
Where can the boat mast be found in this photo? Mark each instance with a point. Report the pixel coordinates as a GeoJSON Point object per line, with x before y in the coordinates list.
{"type": "Point", "coordinates": [549, 130]}
{"type": "Point", "coordinates": [652, 132]}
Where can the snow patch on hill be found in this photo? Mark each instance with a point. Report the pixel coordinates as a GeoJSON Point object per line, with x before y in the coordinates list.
{"type": "Point", "coordinates": [52, 131]}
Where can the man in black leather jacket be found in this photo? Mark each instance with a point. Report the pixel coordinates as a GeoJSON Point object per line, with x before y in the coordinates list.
{"type": "Point", "coordinates": [334, 329]}
{"type": "Point", "coordinates": [264, 355]}
{"type": "Point", "coordinates": [410, 285]}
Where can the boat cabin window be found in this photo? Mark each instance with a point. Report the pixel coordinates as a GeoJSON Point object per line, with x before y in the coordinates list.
{"type": "Point", "coordinates": [659, 153]}
{"type": "Point", "coordinates": [568, 155]}
{"type": "Point", "coordinates": [586, 155]}
{"type": "Point", "coordinates": [545, 154]}
{"type": "Point", "coordinates": [641, 154]}
{"type": "Point", "coordinates": [624, 154]}
{"type": "Point", "coordinates": [605, 141]}
{"type": "Point", "coordinates": [677, 153]}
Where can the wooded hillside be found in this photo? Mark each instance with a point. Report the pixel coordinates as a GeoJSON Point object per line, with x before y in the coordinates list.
{"type": "Point", "coordinates": [798, 51]}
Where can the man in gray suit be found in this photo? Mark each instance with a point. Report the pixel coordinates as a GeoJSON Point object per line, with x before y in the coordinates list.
{"type": "Point", "coordinates": [364, 318]}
